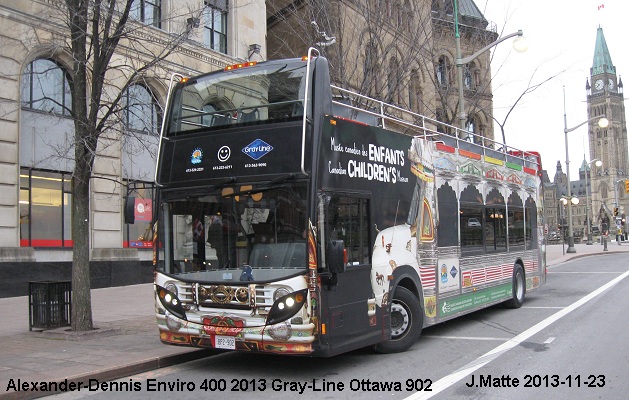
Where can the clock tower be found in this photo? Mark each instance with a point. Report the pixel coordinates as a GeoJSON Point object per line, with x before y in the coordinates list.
{"type": "Point", "coordinates": [605, 97]}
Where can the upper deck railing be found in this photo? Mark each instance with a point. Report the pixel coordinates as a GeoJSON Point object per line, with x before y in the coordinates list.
{"type": "Point", "coordinates": [375, 112]}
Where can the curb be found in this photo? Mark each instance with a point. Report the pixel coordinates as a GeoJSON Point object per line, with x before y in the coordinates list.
{"type": "Point", "coordinates": [574, 257]}
{"type": "Point", "coordinates": [112, 373]}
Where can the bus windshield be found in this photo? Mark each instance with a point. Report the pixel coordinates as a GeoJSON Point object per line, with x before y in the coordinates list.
{"type": "Point", "coordinates": [267, 92]}
{"type": "Point", "coordinates": [237, 234]}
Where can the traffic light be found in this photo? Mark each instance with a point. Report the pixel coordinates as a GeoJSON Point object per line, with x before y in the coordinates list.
{"type": "Point", "coordinates": [626, 185]}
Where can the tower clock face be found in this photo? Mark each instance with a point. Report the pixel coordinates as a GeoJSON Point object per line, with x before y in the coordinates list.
{"type": "Point", "coordinates": [599, 84]}
{"type": "Point", "coordinates": [610, 84]}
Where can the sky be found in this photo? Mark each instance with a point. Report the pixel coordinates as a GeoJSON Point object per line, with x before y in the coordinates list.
{"type": "Point", "coordinates": [561, 35]}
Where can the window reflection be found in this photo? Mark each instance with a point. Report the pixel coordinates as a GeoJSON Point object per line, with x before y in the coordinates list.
{"type": "Point", "coordinates": [45, 88]}
{"type": "Point", "coordinates": [141, 110]}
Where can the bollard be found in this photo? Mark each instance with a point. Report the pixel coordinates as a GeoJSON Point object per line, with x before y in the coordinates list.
{"type": "Point", "coordinates": [604, 243]}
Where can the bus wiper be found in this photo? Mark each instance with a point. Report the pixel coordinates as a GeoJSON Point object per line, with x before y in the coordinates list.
{"type": "Point", "coordinates": [267, 186]}
{"type": "Point", "coordinates": [188, 192]}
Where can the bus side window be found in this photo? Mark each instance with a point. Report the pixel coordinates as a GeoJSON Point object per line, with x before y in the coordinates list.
{"type": "Point", "coordinates": [348, 220]}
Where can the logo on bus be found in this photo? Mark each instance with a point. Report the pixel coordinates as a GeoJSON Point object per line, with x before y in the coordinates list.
{"type": "Point", "coordinates": [224, 153]}
{"type": "Point", "coordinates": [257, 149]}
{"type": "Point", "coordinates": [196, 156]}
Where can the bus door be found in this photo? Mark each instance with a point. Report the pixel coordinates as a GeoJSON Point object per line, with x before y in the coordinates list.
{"type": "Point", "coordinates": [349, 305]}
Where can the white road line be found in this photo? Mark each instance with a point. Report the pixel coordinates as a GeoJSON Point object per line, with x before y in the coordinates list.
{"type": "Point", "coordinates": [492, 339]}
{"type": "Point", "coordinates": [586, 272]}
{"type": "Point", "coordinates": [449, 380]}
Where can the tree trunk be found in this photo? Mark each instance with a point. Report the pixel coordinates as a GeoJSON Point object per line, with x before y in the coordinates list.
{"type": "Point", "coordinates": [81, 296]}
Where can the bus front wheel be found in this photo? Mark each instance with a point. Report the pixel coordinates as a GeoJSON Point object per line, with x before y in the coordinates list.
{"type": "Point", "coordinates": [406, 322]}
{"type": "Point", "coordinates": [519, 288]}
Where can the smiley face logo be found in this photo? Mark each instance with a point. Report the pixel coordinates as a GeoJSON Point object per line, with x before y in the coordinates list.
{"type": "Point", "coordinates": [224, 153]}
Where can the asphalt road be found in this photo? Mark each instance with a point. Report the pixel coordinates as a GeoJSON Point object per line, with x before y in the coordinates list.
{"type": "Point", "coordinates": [568, 341]}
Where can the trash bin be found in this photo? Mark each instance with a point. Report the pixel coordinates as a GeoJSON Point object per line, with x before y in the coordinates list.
{"type": "Point", "coordinates": [50, 304]}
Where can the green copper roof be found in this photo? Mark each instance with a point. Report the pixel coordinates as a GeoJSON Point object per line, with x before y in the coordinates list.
{"type": "Point", "coordinates": [470, 9]}
{"type": "Point", "coordinates": [602, 60]}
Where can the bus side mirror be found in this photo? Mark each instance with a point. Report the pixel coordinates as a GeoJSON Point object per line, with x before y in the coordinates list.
{"type": "Point", "coordinates": [335, 252]}
{"type": "Point", "coordinates": [129, 210]}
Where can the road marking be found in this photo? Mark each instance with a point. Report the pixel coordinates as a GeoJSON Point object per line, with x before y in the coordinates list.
{"type": "Point", "coordinates": [549, 340]}
{"type": "Point", "coordinates": [545, 307]}
{"type": "Point", "coordinates": [499, 339]}
{"type": "Point", "coordinates": [449, 380]}
{"type": "Point", "coordinates": [586, 272]}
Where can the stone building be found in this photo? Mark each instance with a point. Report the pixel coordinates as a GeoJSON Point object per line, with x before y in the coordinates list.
{"type": "Point", "coordinates": [36, 131]}
{"type": "Point", "coordinates": [605, 97]}
{"type": "Point", "coordinates": [399, 51]}
{"type": "Point", "coordinates": [605, 184]}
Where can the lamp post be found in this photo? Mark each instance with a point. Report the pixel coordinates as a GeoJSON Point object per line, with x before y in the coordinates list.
{"type": "Point", "coordinates": [588, 225]}
{"type": "Point", "coordinates": [602, 122]}
{"type": "Point", "coordinates": [569, 201]}
{"type": "Point", "coordinates": [519, 45]}
{"type": "Point", "coordinates": [617, 219]}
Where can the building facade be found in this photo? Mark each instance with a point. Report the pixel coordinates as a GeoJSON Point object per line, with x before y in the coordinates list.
{"type": "Point", "coordinates": [399, 51]}
{"type": "Point", "coordinates": [37, 131]}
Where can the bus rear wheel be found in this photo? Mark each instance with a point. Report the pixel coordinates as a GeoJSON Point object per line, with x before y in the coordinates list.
{"type": "Point", "coordinates": [406, 322]}
{"type": "Point", "coordinates": [519, 288]}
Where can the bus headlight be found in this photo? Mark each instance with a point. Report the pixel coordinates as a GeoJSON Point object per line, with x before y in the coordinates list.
{"type": "Point", "coordinates": [286, 306]}
{"type": "Point", "coordinates": [171, 302]}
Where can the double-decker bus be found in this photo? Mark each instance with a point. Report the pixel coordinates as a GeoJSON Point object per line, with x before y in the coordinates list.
{"type": "Point", "coordinates": [296, 217]}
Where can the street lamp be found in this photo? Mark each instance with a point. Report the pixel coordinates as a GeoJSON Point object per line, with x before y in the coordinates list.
{"type": "Point", "coordinates": [602, 122]}
{"type": "Point", "coordinates": [617, 219]}
{"type": "Point", "coordinates": [588, 225]}
{"type": "Point", "coordinates": [519, 44]}
{"type": "Point", "coordinates": [564, 201]}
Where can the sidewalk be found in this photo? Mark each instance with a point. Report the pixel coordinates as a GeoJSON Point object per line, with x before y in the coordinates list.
{"type": "Point", "coordinates": [126, 340]}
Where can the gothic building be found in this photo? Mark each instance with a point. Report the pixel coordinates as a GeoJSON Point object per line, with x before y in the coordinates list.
{"type": "Point", "coordinates": [605, 97]}
{"type": "Point", "coordinates": [604, 185]}
{"type": "Point", "coordinates": [402, 52]}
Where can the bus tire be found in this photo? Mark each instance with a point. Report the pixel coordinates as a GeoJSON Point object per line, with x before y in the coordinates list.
{"type": "Point", "coordinates": [519, 288]}
{"type": "Point", "coordinates": [406, 322]}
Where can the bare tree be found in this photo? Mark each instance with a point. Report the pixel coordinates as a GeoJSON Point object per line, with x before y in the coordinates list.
{"type": "Point", "coordinates": [108, 54]}
{"type": "Point", "coordinates": [530, 88]}
{"type": "Point", "coordinates": [373, 48]}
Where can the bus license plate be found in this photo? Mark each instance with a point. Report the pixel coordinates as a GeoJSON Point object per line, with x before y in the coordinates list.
{"type": "Point", "coordinates": [225, 342]}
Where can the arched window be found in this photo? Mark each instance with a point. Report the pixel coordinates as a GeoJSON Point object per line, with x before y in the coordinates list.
{"type": "Point", "coordinates": [46, 87]}
{"type": "Point", "coordinates": [415, 93]}
{"type": "Point", "coordinates": [443, 68]}
{"type": "Point", "coordinates": [142, 112]}
{"type": "Point", "coordinates": [371, 84]}
{"type": "Point", "coordinates": [393, 80]}
{"type": "Point", "coordinates": [467, 77]}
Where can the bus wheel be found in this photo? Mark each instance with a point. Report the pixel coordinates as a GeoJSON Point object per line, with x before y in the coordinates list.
{"type": "Point", "coordinates": [406, 322]}
{"type": "Point", "coordinates": [519, 288]}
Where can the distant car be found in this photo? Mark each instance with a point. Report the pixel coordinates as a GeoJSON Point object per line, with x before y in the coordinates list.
{"type": "Point", "coordinates": [473, 223]}
{"type": "Point", "coordinates": [554, 236]}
